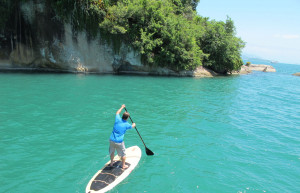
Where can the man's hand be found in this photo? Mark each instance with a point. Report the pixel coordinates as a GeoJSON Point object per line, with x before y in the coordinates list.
{"type": "Point", "coordinates": [119, 111]}
{"type": "Point", "coordinates": [133, 125]}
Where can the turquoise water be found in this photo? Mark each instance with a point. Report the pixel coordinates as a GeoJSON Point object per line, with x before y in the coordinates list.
{"type": "Point", "coordinates": [224, 134]}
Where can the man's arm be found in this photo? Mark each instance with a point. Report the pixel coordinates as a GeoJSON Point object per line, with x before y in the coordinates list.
{"type": "Point", "coordinates": [119, 111]}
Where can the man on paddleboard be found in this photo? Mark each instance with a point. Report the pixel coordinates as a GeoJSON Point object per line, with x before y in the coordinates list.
{"type": "Point", "coordinates": [116, 139]}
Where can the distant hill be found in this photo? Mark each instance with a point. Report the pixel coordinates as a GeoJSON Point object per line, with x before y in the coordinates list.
{"type": "Point", "coordinates": [254, 59]}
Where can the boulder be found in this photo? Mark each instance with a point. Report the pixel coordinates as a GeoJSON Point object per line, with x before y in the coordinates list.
{"type": "Point", "coordinates": [244, 70]}
{"type": "Point", "coordinates": [297, 74]}
{"type": "Point", "coordinates": [203, 72]}
{"type": "Point", "coordinates": [269, 69]}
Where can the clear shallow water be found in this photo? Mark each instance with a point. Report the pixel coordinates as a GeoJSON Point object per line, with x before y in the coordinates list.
{"type": "Point", "coordinates": [223, 134]}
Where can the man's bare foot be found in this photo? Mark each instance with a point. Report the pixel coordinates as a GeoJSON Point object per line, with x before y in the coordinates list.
{"type": "Point", "coordinates": [124, 167]}
{"type": "Point", "coordinates": [111, 164]}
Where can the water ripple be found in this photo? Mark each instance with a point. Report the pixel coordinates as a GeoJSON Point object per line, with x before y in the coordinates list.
{"type": "Point", "coordinates": [224, 134]}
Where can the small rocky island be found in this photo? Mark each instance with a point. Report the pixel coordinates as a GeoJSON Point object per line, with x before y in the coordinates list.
{"type": "Point", "coordinates": [297, 74]}
{"type": "Point", "coordinates": [260, 67]}
{"type": "Point", "coordinates": [248, 68]}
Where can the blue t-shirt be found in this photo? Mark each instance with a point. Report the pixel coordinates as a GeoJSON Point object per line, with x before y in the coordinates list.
{"type": "Point", "coordinates": [120, 128]}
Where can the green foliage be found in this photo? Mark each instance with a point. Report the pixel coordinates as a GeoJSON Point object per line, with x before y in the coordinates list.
{"type": "Point", "coordinates": [223, 46]}
{"type": "Point", "coordinates": [163, 37]}
{"type": "Point", "coordinates": [7, 10]}
{"type": "Point", "coordinates": [4, 9]}
{"type": "Point", "coordinates": [82, 14]}
{"type": "Point", "coordinates": [248, 63]}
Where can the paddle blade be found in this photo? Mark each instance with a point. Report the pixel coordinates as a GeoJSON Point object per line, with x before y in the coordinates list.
{"type": "Point", "coordinates": [148, 151]}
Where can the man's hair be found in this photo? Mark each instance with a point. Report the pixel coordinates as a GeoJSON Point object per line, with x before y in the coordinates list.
{"type": "Point", "coordinates": [125, 115]}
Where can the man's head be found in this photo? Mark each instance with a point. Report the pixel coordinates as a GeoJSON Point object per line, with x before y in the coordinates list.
{"type": "Point", "coordinates": [125, 116]}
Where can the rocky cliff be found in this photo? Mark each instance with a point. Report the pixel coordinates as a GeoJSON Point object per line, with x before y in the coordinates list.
{"type": "Point", "coordinates": [40, 41]}
{"type": "Point", "coordinates": [34, 38]}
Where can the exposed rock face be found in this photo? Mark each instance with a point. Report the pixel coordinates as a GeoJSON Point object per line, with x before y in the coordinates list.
{"type": "Point", "coordinates": [297, 74]}
{"type": "Point", "coordinates": [22, 55]}
{"type": "Point", "coordinates": [262, 67]}
{"type": "Point", "coordinates": [90, 55]}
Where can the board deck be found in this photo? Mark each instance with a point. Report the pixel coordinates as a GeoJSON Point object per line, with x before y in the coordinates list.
{"type": "Point", "coordinates": [108, 177]}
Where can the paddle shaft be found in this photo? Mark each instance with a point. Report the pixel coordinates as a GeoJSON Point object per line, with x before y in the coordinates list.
{"type": "Point", "coordinates": [136, 129]}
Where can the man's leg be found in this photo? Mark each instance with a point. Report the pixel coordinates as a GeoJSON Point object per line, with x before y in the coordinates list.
{"type": "Point", "coordinates": [123, 162]}
{"type": "Point", "coordinates": [112, 152]}
{"type": "Point", "coordinates": [112, 155]}
{"type": "Point", "coordinates": [121, 152]}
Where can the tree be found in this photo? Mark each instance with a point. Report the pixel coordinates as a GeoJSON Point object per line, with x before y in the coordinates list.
{"type": "Point", "coordinates": [223, 47]}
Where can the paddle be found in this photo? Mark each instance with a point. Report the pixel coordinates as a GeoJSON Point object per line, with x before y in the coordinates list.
{"type": "Point", "coordinates": [148, 151]}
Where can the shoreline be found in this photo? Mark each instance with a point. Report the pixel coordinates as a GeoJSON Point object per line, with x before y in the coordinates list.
{"type": "Point", "coordinates": [199, 72]}
{"type": "Point", "coordinates": [161, 72]}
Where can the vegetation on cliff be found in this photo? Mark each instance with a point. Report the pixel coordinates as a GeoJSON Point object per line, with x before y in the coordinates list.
{"type": "Point", "coordinates": [167, 33]}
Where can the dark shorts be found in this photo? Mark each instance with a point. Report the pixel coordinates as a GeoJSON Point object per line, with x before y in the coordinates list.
{"type": "Point", "coordinates": [120, 147]}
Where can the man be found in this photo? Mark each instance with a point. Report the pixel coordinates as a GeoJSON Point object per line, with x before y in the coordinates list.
{"type": "Point", "coordinates": [116, 139]}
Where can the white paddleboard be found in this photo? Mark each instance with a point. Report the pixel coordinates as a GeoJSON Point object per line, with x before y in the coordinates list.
{"type": "Point", "coordinates": [108, 177]}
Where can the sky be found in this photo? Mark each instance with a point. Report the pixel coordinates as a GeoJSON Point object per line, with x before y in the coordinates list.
{"type": "Point", "coordinates": [270, 28]}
